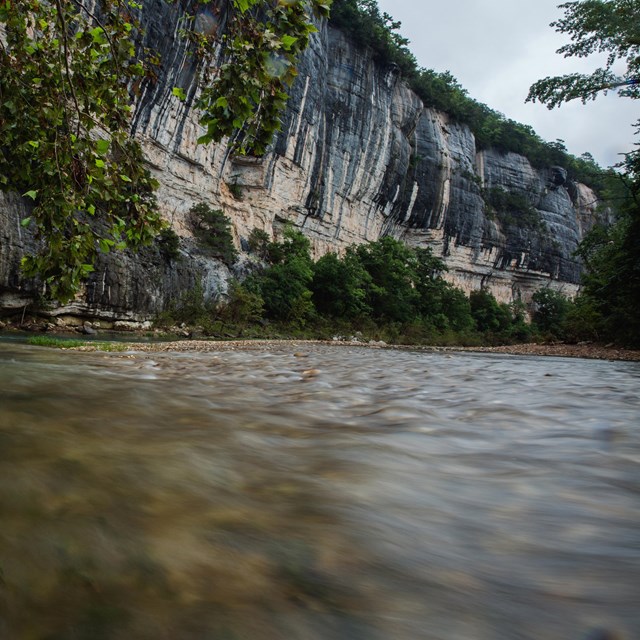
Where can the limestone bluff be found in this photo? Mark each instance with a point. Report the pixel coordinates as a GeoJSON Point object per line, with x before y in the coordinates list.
{"type": "Point", "coordinates": [358, 157]}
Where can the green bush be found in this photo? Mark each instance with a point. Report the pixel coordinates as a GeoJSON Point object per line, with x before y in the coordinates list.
{"type": "Point", "coordinates": [550, 312]}
{"type": "Point", "coordinates": [339, 286]}
{"type": "Point", "coordinates": [284, 286]}
{"type": "Point", "coordinates": [258, 242]}
{"type": "Point", "coordinates": [392, 269]}
{"type": "Point", "coordinates": [489, 315]}
{"type": "Point", "coordinates": [584, 321]}
{"type": "Point", "coordinates": [242, 306]}
{"type": "Point", "coordinates": [212, 230]}
{"type": "Point", "coordinates": [169, 244]}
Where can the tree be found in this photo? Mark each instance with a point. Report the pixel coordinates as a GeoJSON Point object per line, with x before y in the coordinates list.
{"type": "Point", "coordinates": [340, 286]}
{"type": "Point", "coordinates": [595, 26]}
{"type": "Point", "coordinates": [212, 230]}
{"type": "Point", "coordinates": [244, 97]}
{"type": "Point", "coordinates": [68, 67]}
{"type": "Point", "coordinates": [64, 134]}
{"type": "Point", "coordinates": [611, 284]}
{"type": "Point", "coordinates": [490, 316]}
{"type": "Point", "coordinates": [284, 286]}
{"type": "Point", "coordinates": [391, 266]}
{"type": "Point", "coordinates": [611, 255]}
{"type": "Point", "coordinates": [550, 311]}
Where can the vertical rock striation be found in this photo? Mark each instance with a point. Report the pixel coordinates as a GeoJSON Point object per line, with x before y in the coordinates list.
{"type": "Point", "coordinates": [358, 157]}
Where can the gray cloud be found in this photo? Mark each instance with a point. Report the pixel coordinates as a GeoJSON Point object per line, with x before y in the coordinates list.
{"type": "Point", "coordinates": [497, 49]}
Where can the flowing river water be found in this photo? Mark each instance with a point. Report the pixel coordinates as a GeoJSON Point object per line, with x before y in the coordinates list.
{"type": "Point", "coordinates": [316, 493]}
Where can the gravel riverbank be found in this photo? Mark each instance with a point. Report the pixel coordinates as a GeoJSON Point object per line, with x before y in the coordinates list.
{"type": "Point", "coordinates": [593, 351]}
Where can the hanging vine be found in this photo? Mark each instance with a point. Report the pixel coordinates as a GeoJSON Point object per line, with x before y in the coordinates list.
{"type": "Point", "coordinates": [258, 43]}
{"type": "Point", "coordinates": [65, 106]}
{"type": "Point", "coordinates": [64, 134]}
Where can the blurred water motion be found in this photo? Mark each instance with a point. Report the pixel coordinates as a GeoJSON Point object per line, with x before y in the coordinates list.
{"type": "Point", "coordinates": [334, 493]}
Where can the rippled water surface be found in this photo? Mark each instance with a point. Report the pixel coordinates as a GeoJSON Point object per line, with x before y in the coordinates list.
{"type": "Point", "coordinates": [311, 493]}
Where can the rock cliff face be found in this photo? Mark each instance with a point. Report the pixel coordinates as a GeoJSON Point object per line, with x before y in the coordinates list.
{"type": "Point", "coordinates": [358, 157]}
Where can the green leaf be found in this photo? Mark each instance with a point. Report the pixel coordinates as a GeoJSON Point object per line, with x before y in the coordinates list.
{"type": "Point", "coordinates": [30, 194]}
{"type": "Point", "coordinates": [125, 178]}
{"type": "Point", "coordinates": [100, 163]}
{"type": "Point", "coordinates": [179, 93]}
{"type": "Point", "coordinates": [98, 35]}
{"type": "Point", "coordinates": [288, 41]}
{"type": "Point", "coordinates": [105, 245]}
{"type": "Point", "coordinates": [102, 146]}
{"type": "Point", "coordinates": [26, 222]}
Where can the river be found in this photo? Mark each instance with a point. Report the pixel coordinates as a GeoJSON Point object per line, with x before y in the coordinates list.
{"type": "Point", "coordinates": [317, 493]}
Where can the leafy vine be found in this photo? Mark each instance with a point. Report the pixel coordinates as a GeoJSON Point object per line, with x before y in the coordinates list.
{"type": "Point", "coordinates": [64, 132]}
{"type": "Point", "coordinates": [67, 70]}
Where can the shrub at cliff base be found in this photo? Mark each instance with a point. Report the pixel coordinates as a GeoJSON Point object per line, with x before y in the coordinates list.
{"type": "Point", "coordinates": [382, 290]}
{"type": "Point", "coordinates": [550, 312]}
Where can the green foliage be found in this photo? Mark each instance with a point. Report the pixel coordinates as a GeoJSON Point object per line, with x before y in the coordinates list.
{"type": "Point", "coordinates": [294, 245]}
{"type": "Point", "coordinates": [520, 330]}
{"type": "Point", "coordinates": [612, 279]}
{"type": "Point", "coordinates": [242, 306]}
{"type": "Point", "coordinates": [609, 305]}
{"type": "Point", "coordinates": [550, 312]}
{"type": "Point", "coordinates": [367, 26]}
{"type": "Point", "coordinates": [440, 305]}
{"type": "Point", "coordinates": [243, 99]}
{"type": "Point", "coordinates": [392, 268]}
{"type": "Point", "coordinates": [512, 209]}
{"type": "Point", "coordinates": [595, 26]}
{"type": "Point", "coordinates": [384, 289]}
{"type": "Point", "coordinates": [64, 114]}
{"type": "Point", "coordinates": [340, 286]}
{"type": "Point", "coordinates": [235, 189]}
{"type": "Point", "coordinates": [68, 74]}
{"type": "Point", "coordinates": [284, 286]}
{"type": "Point", "coordinates": [169, 243]}
{"type": "Point", "coordinates": [584, 321]}
{"type": "Point", "coordinates": [212, 230]}
{"type": "Point", "coordinates": [258, 242]}
{"type": "Point", "coordinates": [489, 315]}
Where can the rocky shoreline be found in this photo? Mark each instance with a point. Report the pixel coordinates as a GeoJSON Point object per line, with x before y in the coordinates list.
{"type": "Point", "coordinates": [187, 341]}
{"type": "Point", "coordinates": [591, 351]}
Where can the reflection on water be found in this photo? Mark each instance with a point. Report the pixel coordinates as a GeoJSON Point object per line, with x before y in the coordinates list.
{"type": "Point", "coordinates": [332, 493]}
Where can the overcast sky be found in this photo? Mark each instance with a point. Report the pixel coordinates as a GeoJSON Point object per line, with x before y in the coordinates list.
{"type": "Point", "coordinates": [496, 49]}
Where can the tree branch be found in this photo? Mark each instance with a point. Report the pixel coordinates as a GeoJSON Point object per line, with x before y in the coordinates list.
{"type": "Point", "coordinates": [65, 42]}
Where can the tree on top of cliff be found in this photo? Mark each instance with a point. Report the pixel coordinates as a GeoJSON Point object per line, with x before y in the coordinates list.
{"type": "Point", "coordinates": [68, 70]}
{"type": "Point", "coordinates": [363, 21]}
{"type": "Point", "coordinates": [611, 292]}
